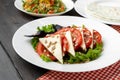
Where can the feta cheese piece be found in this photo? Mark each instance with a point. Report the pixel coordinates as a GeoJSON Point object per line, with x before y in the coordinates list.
{"type": "Point", "coordinates": [91, 46]}
{"type": "Point", "coordinates": [53, 44]}
{"type": "Point", "coordinates": [69, 38]}
{"type": "Point", "coordinates": [83, 46]}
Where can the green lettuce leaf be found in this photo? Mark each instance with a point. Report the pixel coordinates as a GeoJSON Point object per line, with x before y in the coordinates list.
{"type": "Point", "coordinates": [45, 58]}
{"type": "Point", "coordinates": [80, 57]}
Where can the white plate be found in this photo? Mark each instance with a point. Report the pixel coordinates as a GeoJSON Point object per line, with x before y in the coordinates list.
{"type": "Point", "coordinates": [80, 6]}
{"type": "Point", "coordinates": [68, 3]}
{"type": "Point", "coordinates": [110, 54]}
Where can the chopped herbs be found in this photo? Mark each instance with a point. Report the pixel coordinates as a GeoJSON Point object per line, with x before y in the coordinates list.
{"type": "Point", "coordinates": [44, 6]}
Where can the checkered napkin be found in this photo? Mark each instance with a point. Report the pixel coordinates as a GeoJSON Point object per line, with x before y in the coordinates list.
{"type": "Point", "coordinates": [116, 28]}
{"type": "Point", "coordinates": [109, 73]}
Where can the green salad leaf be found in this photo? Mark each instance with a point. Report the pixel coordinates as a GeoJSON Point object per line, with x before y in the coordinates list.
{"type": "Point", "coordinates": [34, 42]}
{"type": "Point", "coordinates": [47, 28]}
{"type": "Point", "coordinates": [45, 58]}
{"type": "Point", "coordinates": [90, 55]}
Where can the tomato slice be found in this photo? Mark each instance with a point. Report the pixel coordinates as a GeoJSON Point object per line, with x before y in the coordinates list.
{"type": "Point", "coordinates": [40, 49]}
{"type": "Point", "coordinates": [76, 36]}
{"type": "Point", "coordinates": [65, 45]}
{"type": "Point", "coordinates": [97, 38]}
{"type": "Point", "coordinates": [87, 37]}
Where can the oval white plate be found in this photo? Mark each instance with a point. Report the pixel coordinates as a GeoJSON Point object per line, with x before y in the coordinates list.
{"type": "Point", "coordinates": [80, 6]}
{"type": "Point", "coordinates": [110, 54]}
{"type": "Point", "coordinates": [68, 3]}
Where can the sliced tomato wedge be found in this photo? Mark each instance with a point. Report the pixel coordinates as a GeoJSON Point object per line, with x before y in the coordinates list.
{"type": "Point", "coordinates": [40, 49]}
{"type": "Point", "coordinates": [97, 38]}
{"type": "Point", "coordinates": [76, 36]}
{"type": "Point", "coordinates": [65, 45]}
{"type": "Point", "coordinates": [87, 37]}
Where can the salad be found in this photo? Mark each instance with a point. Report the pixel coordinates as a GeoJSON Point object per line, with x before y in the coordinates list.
{"type": "Point", "coordinates": [67, 45]}
{"type": "Point", "coordinates": [44, 6]}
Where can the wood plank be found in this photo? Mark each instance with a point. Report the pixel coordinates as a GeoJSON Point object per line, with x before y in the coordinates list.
{"type": "Point", "coordinates": [11, 20]}
{"type": "Point", "coordinates": [7, 70]}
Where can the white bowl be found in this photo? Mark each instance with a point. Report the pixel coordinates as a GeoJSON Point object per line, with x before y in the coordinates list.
{"type": "Point", "coordinates": [68, 3]}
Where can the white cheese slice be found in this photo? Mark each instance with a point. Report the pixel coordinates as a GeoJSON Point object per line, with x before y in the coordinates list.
{"type": "Point", "coordinates": [91, 30]}
{"type": "Point", "coordinates": [83, 46]}
{"type": "Point", "coordinates": [69, 38]}
{"type": "Point", "coordinates": [53, 44]}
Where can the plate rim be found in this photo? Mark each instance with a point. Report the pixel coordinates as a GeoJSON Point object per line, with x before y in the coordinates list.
{"type": "Point", "coordinates": [57, 64]}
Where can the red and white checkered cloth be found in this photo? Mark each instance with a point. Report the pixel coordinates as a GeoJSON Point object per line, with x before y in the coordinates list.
{"type": "Point", "coordinates": [116, 28]}
{"type": "Point", "coordinates": [109, 73]}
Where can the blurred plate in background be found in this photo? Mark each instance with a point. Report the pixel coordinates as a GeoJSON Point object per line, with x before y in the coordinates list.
{"type": "Point", "coordinates": [68, 3]}
{"type": "Point", "coordinates": [106, 11]}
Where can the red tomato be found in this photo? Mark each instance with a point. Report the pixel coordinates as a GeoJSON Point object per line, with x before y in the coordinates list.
{"type": "Point", "coordinates": [65, 45]}
{"type": "Point", "coordinates": [40, 49]}
{"type": "Point", "coordinates": [97, 38]}
{"type": "Point", "coordinates": [35, 10]}
{"type": "Point", "coordinates": [50, 12]}
{"type": "Point", "coordinates": [61, 31]}
{"type": "Point", "coordinates": [52, 2]}
{"type": "Point", "coordinates": [76, 36]}
{"type": "Point", "coordinates": [87, 37]}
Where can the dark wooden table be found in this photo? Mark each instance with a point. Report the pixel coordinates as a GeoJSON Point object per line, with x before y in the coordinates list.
{"type": "Point", "coordinates": [13, 67]}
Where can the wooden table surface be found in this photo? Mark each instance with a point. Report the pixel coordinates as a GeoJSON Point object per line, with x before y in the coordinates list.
{"type": "Point", "coordinates": [12, 66]}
